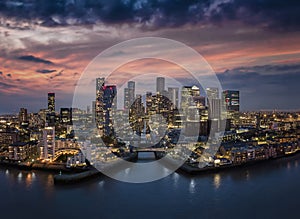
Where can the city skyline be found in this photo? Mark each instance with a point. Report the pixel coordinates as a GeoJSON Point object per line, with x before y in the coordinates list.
{"type": "Point", "coordinates": [49, 48]}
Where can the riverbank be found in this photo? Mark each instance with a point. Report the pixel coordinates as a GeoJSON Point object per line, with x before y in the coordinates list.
{"type": "Point", "coordinates": [90, 173]}
{"type": "Point", "coordinates": [193, 170]}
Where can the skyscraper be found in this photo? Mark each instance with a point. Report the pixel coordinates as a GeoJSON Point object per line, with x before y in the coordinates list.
{"type": "Point", "coordinates": [160, 84]}
{"type": "Point", "coordinates": [212, 93]}
{"type": "Point", "coordinates": [173, 95]}
{"type": "Point", "coordinates": [129, 94]}
{"type": "Point", "coordinates": [213, 102]}
{"type": "Point", "coordinates": [232, 100]}
{"type": "Point", "coordinates": [66, 115]}
{"type": "Point", "coordinates": [51, 102]}
{"type": "Point", "coordinates": [106, 102]}
{"type": "Point", "coordinates": [23, 117]}
{"type": "Point", "coordinates": [99, 102]}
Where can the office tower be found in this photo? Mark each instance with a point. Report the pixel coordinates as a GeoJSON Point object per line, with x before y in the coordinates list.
{"type": "Point", "coordinates": [48, 148]}
{"type": "Point", "coordinates": [51, 102]}
{"type": "Point", "coordinates": [214, 103]}
{"type": "Point", "coordinates": [136, 115]}
{"type": "Point", "coordinates": [232, 100]}
{"type": "Point", "coordinates": [148, 102]}
{"type": "Point", "coordinates": [212, 93]}
{"type": "Point", "coordinates": [106, 104]}
{"type": "Point", "coordinates": [66, 116]}
{"type": "Point", "coordinates": [99, 102]}
{"type": "Point", "coordinates": [195, 91]}
{"type": "Point", "coordinates": [23, 116]}
{"type": "Point", "coordinates": [160, 85]}
{"type": "Point", "coordinates": [187, 94]}
{"type": "Point", "coordinates": [93, 111]}
{"type": "Point", "coordinates": [129, 94]}
{"type": "Point", "coordinates": [173, 95]}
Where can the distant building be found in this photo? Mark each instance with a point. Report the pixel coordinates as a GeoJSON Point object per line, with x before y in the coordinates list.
{"type": "Point", "coordinates": [173, 95]}
{"type": "Point", "coordinates": [66, 116]}
{"type": "Point", "coordinates": [160, 85]}
{"type": "Point", "coordinates": [129, 94]}
{"type": "Point", "coordinates": [51, 102]}
{"type": "Point", "coordinates": [212, 93]}
{"type": "Point", "coordinates": [23, 117]}
{"type": "Point", "coordinates": [232, 100]}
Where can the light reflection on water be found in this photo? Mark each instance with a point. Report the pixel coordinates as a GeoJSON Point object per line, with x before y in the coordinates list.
{"type": "Point", "coordinates": [218, 192]}
{"type": "Point", "coordinates": [217, 180]}
{"type": "Point", "coordinates": [192, 187]}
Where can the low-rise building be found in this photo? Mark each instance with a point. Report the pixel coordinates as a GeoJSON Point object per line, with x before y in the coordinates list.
{"type": "Point", "coordinates": [21, 151]}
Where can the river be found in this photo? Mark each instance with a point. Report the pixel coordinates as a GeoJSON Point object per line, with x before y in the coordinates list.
{"type": "Point", "coordinates": [266, 190]}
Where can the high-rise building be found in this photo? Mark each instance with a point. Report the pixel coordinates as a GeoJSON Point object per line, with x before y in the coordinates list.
{"type": "Point", "coordinates": [195, 91]}
{"type": "Point", "coordinates": [129, 94]}
{"type": "Point", "coordinates": [232, 100]}
{"type": "Point", "coordinates": [51, 102]}
{"type": "Point", "coordinates": [160, 85]}
{"type": "Point", "coordinates": [173, 95]}
{"type": "Point", "coordinates": [66, 116]}
{"type": "Point", "coordinates": [213, 102]}
{"type": "Point", "coordinates": [106, 104]}
{"type": "Point", "coordinates": [212, 93]}
{"type": "Point", "coordinates": [188, 93]}
{"type": "Point", "coordinates": [48, 148]}
{"type": "Point", "coordinates": [93, 111]}
{"type": "Point", "coordinates": [23, 116]}
{"type": "Point", "coordinates": [99, 102]}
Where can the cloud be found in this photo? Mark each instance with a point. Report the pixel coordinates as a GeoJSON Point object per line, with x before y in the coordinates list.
{"type": "Point", "coordinates": [45, 71]}
{"type": "Point", "coordinates": [32, 58]}
{"type": "Point", "coordinates": [1, 73]}
{"type": "Point", "coordinates": [265, 87]}
{"type": "Point", "coordinates": [8, 75]}
{"type": "Point", "coordinates": [4, 85]}
{"type": "Point", "coordinates": [57, 75]}
{"type": "Point", "coordinates": [273, 14]}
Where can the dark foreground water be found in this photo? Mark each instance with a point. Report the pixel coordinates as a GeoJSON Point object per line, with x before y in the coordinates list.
{"type": "Point", "coordinates": [267, 190]}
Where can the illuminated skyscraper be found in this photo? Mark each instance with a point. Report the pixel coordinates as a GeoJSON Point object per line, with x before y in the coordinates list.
{"type": "Point", "coordinates": [51, 102]}
{"type": "Point", "coordinates": [173, 95]}
{"type": "Point", "coordinates": [232, 100]}
{"type": "Point", "coordinates": [66, 115]}
{"type": "Point", "coordinates": [213, 102]}
{"type": "Point", "coordinates": [129, 94]}
{"type": "Point", "coordinates": [99, 102]}
{"type": "Point", "coordinates": [106, 104]}
{"type": "Point", "coordinates": [23, 117]}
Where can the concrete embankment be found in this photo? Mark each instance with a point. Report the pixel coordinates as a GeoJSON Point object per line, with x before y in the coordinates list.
{"type": "Point", "coordinates": [76, 177]}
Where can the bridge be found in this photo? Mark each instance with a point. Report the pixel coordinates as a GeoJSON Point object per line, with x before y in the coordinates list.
{"type": "Point", "coordinates": [150, 149]}
{"type": "Point", "coordinates": [64, 151]}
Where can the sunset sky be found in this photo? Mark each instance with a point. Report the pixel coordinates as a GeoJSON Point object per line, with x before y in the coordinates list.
{"type": "Point", "coordinates": [252, 45]}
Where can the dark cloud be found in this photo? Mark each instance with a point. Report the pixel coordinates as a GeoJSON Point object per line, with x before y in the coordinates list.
{"type": "Point", "coordinates": [274, 14]}
{"type": "Point", "coordinates": [265, 87]}
{"type": "Point", "coordinates": [57, 75]}
{"type": "Point", "coordinates": [271, 14]}
{"type": "Point", "coordinates": [1, 73]}
{"type": "Point", "coordinates": [45, 71]}
{"type": "Point", "coordinates": [8, 75]}
{"type": "Point", "coordinates": [32, 58]}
